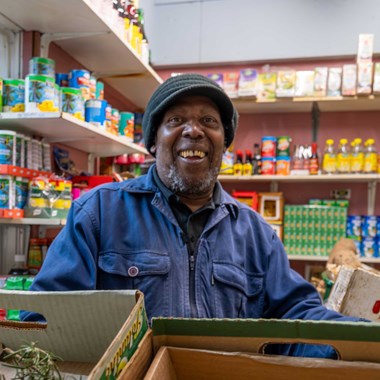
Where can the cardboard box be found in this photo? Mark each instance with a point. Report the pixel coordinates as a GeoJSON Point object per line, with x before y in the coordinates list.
{"type": "Point", "coordinates": [173, 363]}
{"type": "Point", "coordinates": [356, 293]}
{"type": "Point", "coordinates": [95, 332]}
{"type": "Point", "coordinates": [232, 349]}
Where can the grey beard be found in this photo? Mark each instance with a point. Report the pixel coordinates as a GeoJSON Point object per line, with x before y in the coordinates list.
{"type": "Point", "coordinates": [181, 185]}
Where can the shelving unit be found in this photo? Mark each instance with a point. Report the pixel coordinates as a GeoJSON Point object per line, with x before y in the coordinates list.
{"type": "Point", "coordinates": [81, 29]}
{"type": "Point", "coordinates": [366, 260]}
{"type": "Point", "coordinates": [66, 129]}
{"type": "Point", "coordinates": [326, 104]}
{"type": "Point", "coordinates": [33, 221]}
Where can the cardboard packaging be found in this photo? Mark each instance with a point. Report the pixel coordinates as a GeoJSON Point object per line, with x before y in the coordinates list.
{"type": "Point", "coordinates": [95, 332]}
{"type": "Point", "coordinates": [356, 293]}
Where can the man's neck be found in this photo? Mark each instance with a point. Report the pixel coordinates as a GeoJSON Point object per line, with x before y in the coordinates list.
{"type": "Point", "coordinates": [195, 204]}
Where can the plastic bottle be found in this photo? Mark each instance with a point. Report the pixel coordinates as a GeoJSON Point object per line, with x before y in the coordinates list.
{"type": "Point", "coordinates": [256, 159]}
{"type": "Point", "coordinates": [238, 165]}
{"type": "Point", "coordinates": [357, 156]}
{"type": "Point", "coordinates": [297, 159]}
{"type": "Point", "coordinates": [370, 157]}
{"type": "Point", "coordinates": [247, 167]}
{"type": "Point", "coordinates": [343, 157]}
{"type": "Point", "coordinates": [329, 158]}
{"type": "Point", "coordinates": [34, 256]}
{"type": "Point", "coordinates": [314, 160]}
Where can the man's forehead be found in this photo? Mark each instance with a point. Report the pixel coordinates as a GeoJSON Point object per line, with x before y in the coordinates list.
{"type": "Point", "coordinates": [187, 100]}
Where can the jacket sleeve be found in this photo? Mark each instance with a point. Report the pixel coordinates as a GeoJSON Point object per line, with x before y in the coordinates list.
{"type": "Point", "coordinates": [71, 261]}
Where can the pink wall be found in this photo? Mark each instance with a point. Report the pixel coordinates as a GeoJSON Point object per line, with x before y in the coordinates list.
{"type": "Point", "coordinates": [335, 125]}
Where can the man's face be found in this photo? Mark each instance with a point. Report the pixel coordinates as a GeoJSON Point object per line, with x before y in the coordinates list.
{"type": "Point", "coordinates": [189, 146]}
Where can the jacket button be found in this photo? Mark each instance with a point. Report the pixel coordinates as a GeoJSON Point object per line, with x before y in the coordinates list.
{"type": "Point", "coordinates": [133, 271]}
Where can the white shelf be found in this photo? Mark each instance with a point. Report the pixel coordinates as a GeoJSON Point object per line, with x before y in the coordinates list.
{"type": "Point", "coordinates": [93, 38]}
{"type": "Point", "coordinates": [64, 128]}
{"type": "Point", "coordinates": [33, 221]}
{"type": "Point", "coordinates": [367, 260]}
{"type": "Point", "coordinates": [302, 178]}
{"type": "Point", "coordinates": [326, 104]}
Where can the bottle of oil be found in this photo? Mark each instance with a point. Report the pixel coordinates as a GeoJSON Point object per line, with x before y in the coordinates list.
{"type": "Point", "coordinates": [256, 159]}
{"type": "Point", "coordinates": [370, 157]}
{"type": "Point", "coordinates": [314, 160]}
{"type": "Point", "coordinates": [357, 156]}
{"type": "Point", "coordinates": [329, 158]}
{"type": "Point", "coordinates": [238, 165]}
{"type": "Point", "coordinates": [343, 157]}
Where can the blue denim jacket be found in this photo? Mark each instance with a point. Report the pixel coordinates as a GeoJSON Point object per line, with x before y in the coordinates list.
{"type": "Point", "coordinates": [125, 236]}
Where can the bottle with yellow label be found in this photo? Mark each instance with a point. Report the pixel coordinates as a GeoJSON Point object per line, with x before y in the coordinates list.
{"type": "Point", "coordinates": [370, 157]}
{"type": "Point", "coordinates": [247, 166]}
{"type": "Point", "coordinates": [343, 157]}
{"type": "Point", "coordinates": [238, 165]}
{"type": "Point", "coordinates": [357, 156]}
{"type": "Point", "coordinates": [329, 158]}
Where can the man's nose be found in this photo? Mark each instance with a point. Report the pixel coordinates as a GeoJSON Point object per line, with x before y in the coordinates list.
{"type": "Point", "coordinates": [193, 129]}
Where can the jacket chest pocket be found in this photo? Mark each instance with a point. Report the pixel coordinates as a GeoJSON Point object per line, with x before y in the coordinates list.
{"type": "Point", "coordinates": [237, 294]}
{"type": "Point", "coordinates": [146, 271]}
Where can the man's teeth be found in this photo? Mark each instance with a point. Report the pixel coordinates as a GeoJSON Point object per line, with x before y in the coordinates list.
{"type": "Point", "coordinates": [192, 153]}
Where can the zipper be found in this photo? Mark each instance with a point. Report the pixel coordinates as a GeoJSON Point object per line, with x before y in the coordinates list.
{"type": "Point", "coordinates": [192, 262]}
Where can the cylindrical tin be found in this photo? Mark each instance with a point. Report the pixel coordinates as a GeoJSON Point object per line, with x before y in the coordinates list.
{"type": "Point", "coordinates": [283, 165]}
{"type": "Point", "coordinates": [42, 66]}
{"type": "Point", "coordinates": [6, 192]}
{"type": "Point", "coordinates": [127, 124]}
{"type": "Point", "coordinates": [62, 79]}
{"type": "Point", "coordinates": [14, 95]}
{"type": "Point", "coordinates": [41, 95]}
{"type": "Point", "coordinates": [268, 165]}
{"type": "Point", "coordinates": [95, 112]}
{"type": "Point", "coordinates": [283, 146]}
{"type": "Point", "coordinates": [21, 192]}
{"type": "Point", "coordinates": [80, 79]}
{"type": "Point", "coordinates": [7, 147]}
{"type": "Point", "coordinates": [72, 102]}
{"type": "Point", "coordinates": [268, 146]}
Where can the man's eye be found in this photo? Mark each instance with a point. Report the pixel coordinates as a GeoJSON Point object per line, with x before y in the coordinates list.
{"type": "Point", "coordinates": [174, 120]}
{"type": "Point", "coordinates": [209, 120]}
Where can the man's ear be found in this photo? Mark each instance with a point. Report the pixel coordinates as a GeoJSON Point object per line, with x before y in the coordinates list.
{"type": "Point", "coordinates": [153, 149]}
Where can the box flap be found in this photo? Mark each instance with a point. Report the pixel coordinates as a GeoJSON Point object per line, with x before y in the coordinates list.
{"type": "Point", "coordinates": [353, 341]}
{"type": "Point", "coordinates": [80, 324]}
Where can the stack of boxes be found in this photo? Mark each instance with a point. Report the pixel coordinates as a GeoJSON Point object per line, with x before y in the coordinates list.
{"type": "Point", "coordinates": [313, 230]}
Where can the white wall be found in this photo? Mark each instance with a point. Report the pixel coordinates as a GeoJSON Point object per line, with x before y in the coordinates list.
{"type": "Point", "coordinates": [227, 31]}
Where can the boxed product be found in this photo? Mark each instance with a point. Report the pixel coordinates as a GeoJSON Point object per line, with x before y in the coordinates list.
{"type": "Point", "coordinates": [334, 81]}
{"type": "Point", "coordinates": [286, 82]}
{"type": "Point", "coordinates": [356, 293]}
{"type": "Point", "coordinates": [230, 84]}
{"type": "Point", "coordinates": [376, 78]}
{"type": "Point", "coordinates": [365, 48]}
{"type": "Point", "coordinates": [266, 86]}
{"type": "Point", "coordinates": [247, 82]}
{"type": "Point", "coordinates": [365, 78]}
{"type": "Point", "coordinates": [349, 79]}
{"type": "Point", "coordinates": [95, 333]}
{"type": "Point", "coordinates": [320, 81]}
{"type": "Point", "coordinates": [304, 83]}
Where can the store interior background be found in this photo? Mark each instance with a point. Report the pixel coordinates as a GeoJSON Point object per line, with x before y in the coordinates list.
{"type": "Point", "coordinates": [214, 36]}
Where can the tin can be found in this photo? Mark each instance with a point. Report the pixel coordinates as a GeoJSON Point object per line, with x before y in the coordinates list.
{"type": "Point", "coordinates": [127, 124]}
{"type": "Point", "coordinates": [115, 119]}
{"type": "Point", "coordinates": [95, 112]}
{"type": "Point", "coordinates": [62, 79]}
{"type": "Point", "coordinates": [108, 124]}
{"type": "Point", "coordinates": [138, 137]}
{"type": "Point", "coordinates": [268, 146]}
{"type": "Point", "coordinates": [7, 147]}
{"type": "Point", "coordinates": [283, 165]}
{"type": "Point", "coordinates": [14, 95]}
{"type": "Point", "coordinates": [6, 192]}
{"type": "Point", "coordinates": [283, 146]}
{"type": "Point", "coordinates": [41, 94]}
{"type": "Point", "coordinates": [369, 226]}
{"type": "Point", "coordinates": [99, 94]}
{"type": "Point", "coordinates": [268, 165]}
{"type": "Point", "coordinates": [20, 150]}
{"type": "Point", "coordinates": [42, 66]}
{"type": "Point", "coordinates": [80, 79]}
{"type": "Point", "coordinates": [1, 94]}
{"type": "Point", "coordinates": [92, 85]}
{"type": "Point", "coordinates": [72, 102]}
{"type": "Point", "coordinates": [21, 192]}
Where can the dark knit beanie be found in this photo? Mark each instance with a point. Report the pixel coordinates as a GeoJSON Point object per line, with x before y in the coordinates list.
{"type": "Point", "coordinates": [187, 84]}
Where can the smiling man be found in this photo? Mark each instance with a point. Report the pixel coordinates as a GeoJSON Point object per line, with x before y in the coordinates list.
{"type": "Point", "coordinates": [175, 234]}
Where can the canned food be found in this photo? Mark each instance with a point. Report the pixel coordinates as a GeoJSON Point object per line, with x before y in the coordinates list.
{"type": "Point", "coordinates": [283, 146]}
{"type": "Point", "coordinates": [41, 94]}
{"type": "Point", "coordinates": [115, 119]}
{"type": "Point", "coordinates": [92, 85]}
{"type": "Point", "coordinates": [21, 192]}
{"type": "Point", "coordinates": [268, 146]}
{"type": "Point", "coordinates": [99, 90]}
{"type": "Point", "coordinates": [283, 166]}
{"type": "Point", "coordinates": [95, 112]}
{"type": "Point", "coordinates": [62, 79]}
{"type": "Point", "coordinates": [127, 124]}
{"type": "Point", "coordinates": [268, 165]}
{"type": "Point", "coordinates": [14, 95]}
{"type": "Point", "coordinates": [6, 192]}
{"type": "Point", "coordinates": [72, 102]}
{"type": "Point", "coordinates": [80, 79]}
{"type": "Point", "coordinates": [7, 147]}
{"type": "Point", "coordinates": [42, 66]}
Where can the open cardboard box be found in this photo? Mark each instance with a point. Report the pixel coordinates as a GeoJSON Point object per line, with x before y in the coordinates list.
{"type": "Point", "coordinates": [95, 332]}
{"type": "Point", "coordinates": [233, 349]}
